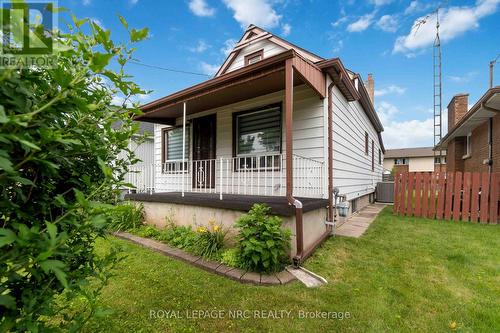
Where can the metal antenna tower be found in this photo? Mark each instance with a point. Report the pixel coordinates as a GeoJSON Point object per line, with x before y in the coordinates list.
{"type": "Point", "coordinates": [438, 121]}
{"type": "Point", "coordinates": [437, 97]}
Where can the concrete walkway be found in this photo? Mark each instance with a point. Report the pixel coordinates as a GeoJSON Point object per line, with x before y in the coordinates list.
{"type": "Point", "coordinates": [356, 225]}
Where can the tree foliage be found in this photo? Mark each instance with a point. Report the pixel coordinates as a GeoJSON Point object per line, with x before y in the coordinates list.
{"type": "Point", "coordinates": [59, 166]}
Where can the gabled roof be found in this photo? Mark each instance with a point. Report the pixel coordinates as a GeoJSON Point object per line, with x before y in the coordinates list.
{"type": "Point", "coordinates": [409, 152]}
{"type": "Point", "coordinates": [486, 107]}
{"type": "Point", "coordinates": [262, 77]}
{"type": "Point", "coordinates": [255, 34]}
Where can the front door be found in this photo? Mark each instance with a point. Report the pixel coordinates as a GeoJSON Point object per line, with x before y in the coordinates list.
{"type": "Point", "coordinates": [204, 152]}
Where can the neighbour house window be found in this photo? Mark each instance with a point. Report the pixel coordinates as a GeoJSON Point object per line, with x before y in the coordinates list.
{"type": "Point", "coordinates": [401, 161]}
{"type": "Point", "coordinates": [258, 138]}
{"type": "Point", "coordinates": [468, 146]}
{"type": "Point", "coordinates": [440, 160]}
{"type": "Point", "coordinates": [252, 58]}
{"type": "Point", "coordinates": [366, 143]}
{"type": "Point", "coordinates": [379, 156]}
{"type": "Point", "coordinates": [373, 156]}
{"type": "Point", "coordinates": [172, 149]}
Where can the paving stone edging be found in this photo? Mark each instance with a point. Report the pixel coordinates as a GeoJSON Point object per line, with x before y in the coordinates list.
{"type": "Point", "coordinates": [236, 274]}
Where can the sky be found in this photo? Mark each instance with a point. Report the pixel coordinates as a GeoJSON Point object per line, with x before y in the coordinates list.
{"type": "Point", "coordinates": [370, 36]}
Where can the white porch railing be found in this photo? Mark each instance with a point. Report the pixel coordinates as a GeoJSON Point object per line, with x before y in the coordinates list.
{"type": "Point", "coordinates": [251, 175]}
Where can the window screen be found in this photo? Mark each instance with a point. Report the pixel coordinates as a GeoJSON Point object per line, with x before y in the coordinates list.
{"type": "Point", "coordinates": [173, 144]}
{"type": "Point", "coordinates": [259, 132]}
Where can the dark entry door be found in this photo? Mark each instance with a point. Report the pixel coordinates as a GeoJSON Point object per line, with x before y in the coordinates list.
{"type": "Point", "coordinates": [204, 152]}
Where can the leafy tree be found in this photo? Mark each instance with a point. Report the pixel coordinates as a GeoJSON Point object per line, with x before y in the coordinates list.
{"type": "Point", "coordinates": [59, 165]}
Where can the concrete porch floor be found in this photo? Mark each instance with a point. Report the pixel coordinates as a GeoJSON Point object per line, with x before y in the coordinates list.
{"type": "Point", "coordinates": [356, 225]}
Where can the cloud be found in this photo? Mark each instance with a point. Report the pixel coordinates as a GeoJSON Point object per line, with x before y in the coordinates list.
{"type": "Point", "coordinates": [388, 23]}
{"type": "Point", "coordinates": [454, 21]}
{"type": "Point", "coordinates": [406, 133]}
{"type": "Point", "coordinates": [361, 24]}
{"type": "Point", "coordinates": [201, 47]}
{"type": "Point", "coordinates": [338, 46]}
{"type": "Point", "coordinates": [208, 69]}
{"type": "Point", "coordinates": [133, 2]}
{"type": "Point", "coordinates": [392, 89]}
{"type": "Point", "coordinates": [378, 3]}
{"type": "Point", "coordinates": [98, 22]}
{"type": "Point", "coordinates": [258, 12]}
{"type": "Point", "coordinates": [286, 29]}
{"type": "Point", "coordinates": [228, 46]}
{"type": "Point", "coordinates": [417, 7]}
{"type": "Point", "coordinates": [467, 77]}
{"type": "Point", "coordinates": [341, 20]}
{"type": "Point", "coordinates": [200, 8]}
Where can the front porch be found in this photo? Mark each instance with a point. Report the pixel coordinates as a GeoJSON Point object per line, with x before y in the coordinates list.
{"type": "Point", "coordinates": [257, 175]}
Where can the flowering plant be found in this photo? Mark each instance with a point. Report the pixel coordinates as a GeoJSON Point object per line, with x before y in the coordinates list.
{"type": "Point", "coordinates": [210, 240]}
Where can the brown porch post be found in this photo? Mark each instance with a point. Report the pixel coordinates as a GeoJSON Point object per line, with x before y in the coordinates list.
{"type": "Point", "coordinates": [288, 127]}
{"type": "Point", "coordinates": [299, 232]}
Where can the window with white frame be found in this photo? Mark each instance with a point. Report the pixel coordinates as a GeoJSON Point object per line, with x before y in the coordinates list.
{"type": "Point", "coordinates": [401, 161]}
{"type": "Point", "coordinates": [468, 146]}
{"type": "Point", "coordinates": [258, 138]}
{"type": "Point", "coordinates": [172, 149]}
{"type": "Point", "coordinates": [440, 160]}
{"type": "Point", "coordinates": [254, 57]}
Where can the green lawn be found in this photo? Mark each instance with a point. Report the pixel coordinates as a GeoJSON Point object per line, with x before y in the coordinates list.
{"type": "Point", "coordinates": [404, 274]}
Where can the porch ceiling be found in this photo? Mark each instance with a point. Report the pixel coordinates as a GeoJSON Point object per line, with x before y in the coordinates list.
{"type": "Point", "coordinates": [264, 77]}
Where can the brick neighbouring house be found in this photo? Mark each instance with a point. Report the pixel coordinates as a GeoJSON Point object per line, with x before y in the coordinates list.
{"type": "Point", "coordinates": [473, 138]}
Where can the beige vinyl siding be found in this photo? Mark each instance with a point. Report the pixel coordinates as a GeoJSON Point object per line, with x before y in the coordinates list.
{"type": "Point", "coordinates": [352, 168]}
{"type": "Point", "coordinates": [388, 164]}
{"type": "Point", "coordinates": [144, 151]}
{"type": "Point", "coordinates": [270, 49]}
{"type": "Point", "coordinates": [419, 164]}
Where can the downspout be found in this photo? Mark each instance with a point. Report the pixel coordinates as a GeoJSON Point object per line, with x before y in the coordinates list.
{"type": "Point", "coordinates": [490, 145]}
{"type": "Point", "coordinates": [299, 230]}
{"type": "Point", "coordinates": [490, 137]}
{"type": "Point", "coordinates": [330, 157]}
{"type": "Point", "coordinates": [330, 217]}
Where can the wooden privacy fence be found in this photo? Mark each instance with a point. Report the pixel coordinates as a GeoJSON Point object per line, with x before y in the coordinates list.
{"type": "Point", "coordinates": [468, 196]}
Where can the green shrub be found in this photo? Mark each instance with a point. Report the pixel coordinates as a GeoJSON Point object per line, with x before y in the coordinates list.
{"type": "Point", "coordinates": [263, 244]}
{"type": "Point", "coordinates": [147, 231]}
{"type": "Point", "coordinates": [126, 216]}
{"type": "Point", "coordinates": [206, 242]}
{"type": "Point", "coordinates": [61, 156]}
{"type": "Point", "coordinates": [231, 257]}
{"type": "Point", "coordinates": [182, 237]}
{"type": "Point", "coordinates": [209, 241]}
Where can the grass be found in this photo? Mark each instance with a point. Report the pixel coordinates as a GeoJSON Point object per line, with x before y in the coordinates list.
{"type": "Point", "coordinates": [404, 274]}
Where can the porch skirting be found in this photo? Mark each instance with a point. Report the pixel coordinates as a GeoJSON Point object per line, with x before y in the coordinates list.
{"type": "Point", "coordinates": [195, 209]}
